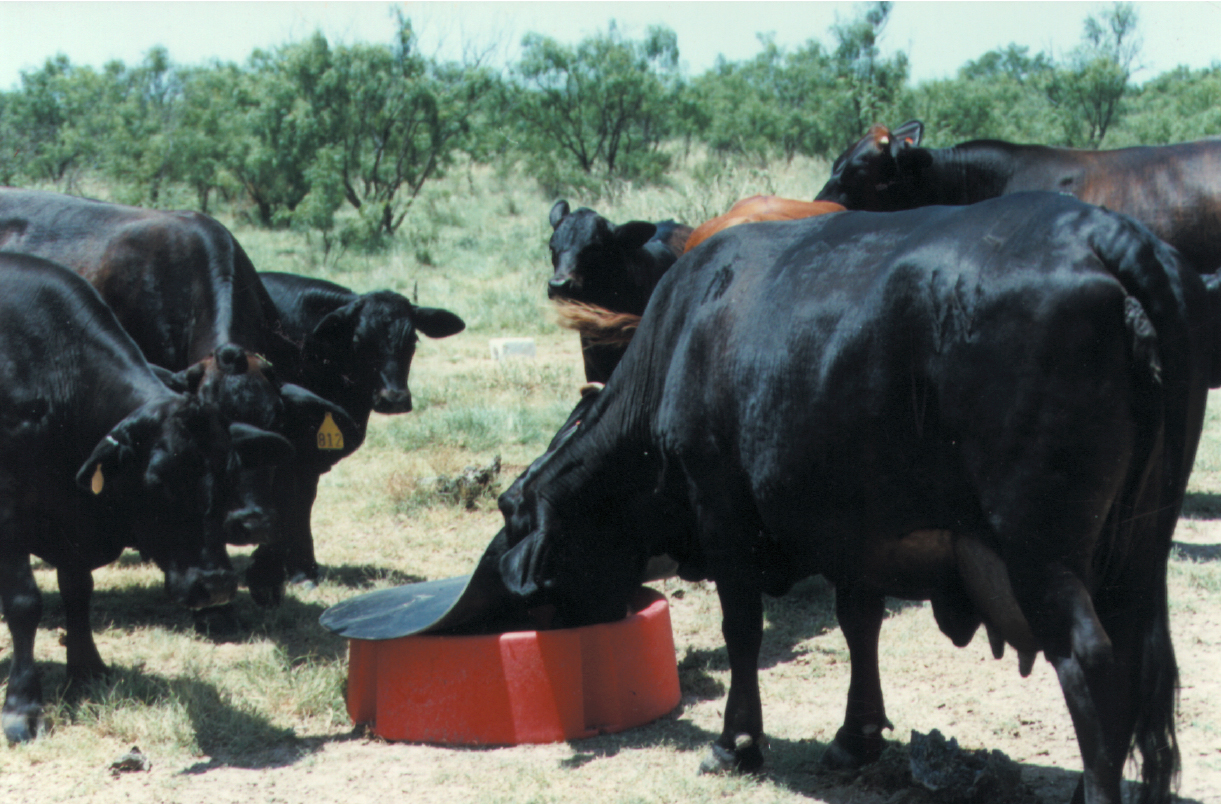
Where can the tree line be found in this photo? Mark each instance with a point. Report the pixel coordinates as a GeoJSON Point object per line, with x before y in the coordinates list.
{"type": "Point", "coordinates": [302, 133]}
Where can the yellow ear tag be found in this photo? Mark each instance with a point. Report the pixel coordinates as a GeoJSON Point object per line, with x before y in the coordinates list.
{"type": "Point", "coordinates": [329, 436]}
{"type": "Point", "coordinates": [98, 480]}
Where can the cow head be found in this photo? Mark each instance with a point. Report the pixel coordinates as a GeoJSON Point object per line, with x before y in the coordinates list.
{"type": "Point", "coordinates": [592, 259]}
{"type": "Point", "coordinates": [873, 173]}
{"type": "Point", "coordinates": [581, 525]}
{"type": "Point", "coordinates": [372, 340]}
{"type": "Point", "coordinates": [161, 475]}
{"type": "Point", "coordinates": [245, 390]}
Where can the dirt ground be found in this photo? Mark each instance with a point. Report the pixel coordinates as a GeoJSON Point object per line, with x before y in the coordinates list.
{"type": "Point", "coordinates": [929, 684]}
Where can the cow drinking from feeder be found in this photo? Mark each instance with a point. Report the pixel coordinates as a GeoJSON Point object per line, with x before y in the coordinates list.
{"type": "Point", "coordinates": [994, 407]}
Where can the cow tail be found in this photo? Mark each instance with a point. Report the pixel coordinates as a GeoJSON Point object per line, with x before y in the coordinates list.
{"type": "Point", "coordinates": [1161, 364]}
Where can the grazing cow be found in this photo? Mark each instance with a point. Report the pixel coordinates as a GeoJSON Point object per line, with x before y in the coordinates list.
{"type": "Point", "coordinates": [603, 277]}
{"type": "Point", "coordinates": [993, 407]}
{"type": "Point", "coordinates": [760, 208]}
{"type": "Point", "coordinates": [357, 352]}
{"type": "Point", "coordinates": [1175, 190]}
{"type": "Point", "coordinates": [97, 454]}
{"type": "Point", "coordinates": [184, 289]}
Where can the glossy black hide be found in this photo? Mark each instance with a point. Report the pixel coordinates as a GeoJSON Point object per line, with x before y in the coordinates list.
{"type": "Point", "coordinates": [185, 291]}
{"type": "Point", "coordinates": [994, 407]}
{"type": "Point", "coordinates": [613, 268]}
{"type": "Point", "coordinates": [97, 454]}
{"type": "Point", "coordinates": [1175, 190]}
{"type": "Point", "coordinates": [356, 353]}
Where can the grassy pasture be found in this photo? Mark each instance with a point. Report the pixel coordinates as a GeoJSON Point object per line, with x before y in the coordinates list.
{"type": "Point", "coordinates": [262, 718]}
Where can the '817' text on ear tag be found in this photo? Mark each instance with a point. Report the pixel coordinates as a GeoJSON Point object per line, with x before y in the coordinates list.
{"type": "Point", "coordinates": [329, 436]}
{"type": "Point", "coordinates": [98, 480]}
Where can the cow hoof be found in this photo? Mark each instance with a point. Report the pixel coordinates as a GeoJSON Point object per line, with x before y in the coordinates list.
{"type": "Point", "coordinates": [745, 757]}
{"type": "Point", "coordinates": [303, 579]}
{"type": "Point", "coordinates": [267, 596]}
{"type": "Point", "coordinates": [848, 752]}
{"type": "Point", "coordinates": [217, 622]}
{"type": "Point", "coordinates": [717, 760]}
{"type": "Point", "coordinates": [836, 757]}
{"type": "Point", "coordinates": [23, 726]}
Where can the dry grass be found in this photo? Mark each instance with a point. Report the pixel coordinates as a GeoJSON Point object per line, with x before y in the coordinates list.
{"type": "Point", "coordinates": [262, 718]}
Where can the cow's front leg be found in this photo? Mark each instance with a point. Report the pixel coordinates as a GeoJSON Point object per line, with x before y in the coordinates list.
{"type": "Point", "coordinates": [738, 747]}
{"type": "Point", "coordinates": [266, 575]}
{"type": "Point", "coordinates": [859, 741]}
{"type": "Point", "coordinates": [76, 589]}
{"type": "Point", "coordinates": [296, 488]}
{"type": "Point", "coordinates": [22, 714]}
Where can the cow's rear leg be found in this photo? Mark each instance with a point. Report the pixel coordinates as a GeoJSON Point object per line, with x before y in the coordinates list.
{"type": "Point", "coordinates": [1079, 649]}
{"type": "Point", "coordinates": [22, 714]}
{"type": "Point", "coordinates": [859, 741]}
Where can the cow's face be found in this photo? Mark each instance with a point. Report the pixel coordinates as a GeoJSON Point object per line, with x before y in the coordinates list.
{"type": "Point", "coordinates": [579, 540]}
{"type": "Point", "coordinates": [244, 388]}
{"type": "Point", "coordinates": [161, 476]}
{"type": "Point", "coordinates": [373, 339]}
{"type": "Point", "coordinates": [871, 174]}
{"type": "Point", "coordinates": [591, 257]}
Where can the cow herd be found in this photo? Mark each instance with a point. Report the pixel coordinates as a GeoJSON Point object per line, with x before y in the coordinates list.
{"type": "Point", "coordinates": [937, 382]}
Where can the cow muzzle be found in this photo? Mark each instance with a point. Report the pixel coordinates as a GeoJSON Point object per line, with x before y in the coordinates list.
{"type": "Point", "coordinates": [250, 525]}
{"type": "Point", "coordinates": [200, 587]}
{"type": "Point", "coordinates": [561, 286]}
{"type": "Point", "coordinates": [392, 401]}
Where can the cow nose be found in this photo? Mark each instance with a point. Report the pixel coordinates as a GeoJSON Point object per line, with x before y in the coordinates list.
{"type": "Point", "coordinates": [392, 401]}
{"type": "Point", "coordinates": [198, 588]}
{"type": "Point", "coordinates": [559, 285]}
{"type": "Point", "coordinates": [248, 526]}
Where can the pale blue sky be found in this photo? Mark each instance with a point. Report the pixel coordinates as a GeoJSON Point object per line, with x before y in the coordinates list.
{"type": "Point", "coordinates": [938, 36]}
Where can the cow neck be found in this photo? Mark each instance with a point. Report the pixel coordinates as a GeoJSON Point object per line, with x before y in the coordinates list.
{"type": "Point", "coordinates": [605, 455]}
{"type": "Point", "coordinates": [966, 174]}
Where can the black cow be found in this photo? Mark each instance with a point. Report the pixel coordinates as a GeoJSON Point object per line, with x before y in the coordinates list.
{"type": "Point", "coordinates": [604, 275]}
{"type": "Point", "coordinates": [97, 454]}
{"type": "Point", "coordinates": [357, 351]}
{"type": "Point", "coordinates": [1175, 190]}
{"type": "Point", "coordinates": [993, 407]}
{"type": "Point", "coordinates": [183, 288]}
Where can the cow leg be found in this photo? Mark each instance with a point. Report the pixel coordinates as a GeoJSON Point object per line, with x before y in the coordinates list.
{"type": "Point", "coordinates": [300, 566]}
{"type": "Point", "coordinates": [742, 626]}
{"type": "Point", "coordinates": [76, 589]}
{"type": "Point", "coordinates": [266, 575]}
{"type": "Point", "coordinates": [22, 714]}
{"type": "Point", "coordinates": [728, 538]}
{"type": "Point", "coordinates": [859, 741]}
{"type": "Point", "coordinates": [1081, 652]}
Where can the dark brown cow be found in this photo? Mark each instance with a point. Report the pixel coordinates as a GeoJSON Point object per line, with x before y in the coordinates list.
{"type": "Point", "coordinates": [1175, 190]}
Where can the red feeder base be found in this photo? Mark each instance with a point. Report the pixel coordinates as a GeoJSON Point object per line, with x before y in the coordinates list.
{"type": "Point", "coordinates": [518, 687]}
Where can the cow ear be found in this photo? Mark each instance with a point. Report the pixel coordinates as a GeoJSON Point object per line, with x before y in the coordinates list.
{"type": "Point", "coordinates": [907, 135]}
{"type": "Point", "coordinates": [173, 381]}
{"type": "Point", "coordinates": [520, 565]}
{"type": "Point", "coordinates": [558, 213]}
{"type": "Point", "coordinates": [255, 447]}
{"type": "Point", "coordinates": [185, 381]}
{"type": "Point", "coordinates": [320, 431]}
{"type": "Point", "coordinates": [337, 329]}
{"type": "Point", "coordinates": [436, 323]}
{"type": "Point", "coordinates": [111, 455]}
{"type": "Point", "coordinates": [634, 234]}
